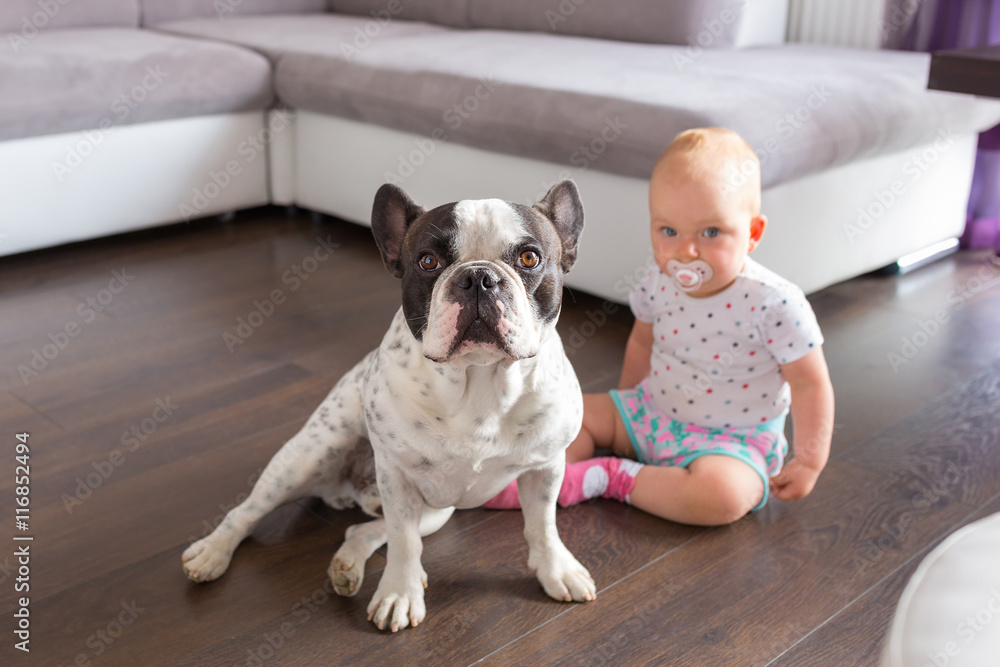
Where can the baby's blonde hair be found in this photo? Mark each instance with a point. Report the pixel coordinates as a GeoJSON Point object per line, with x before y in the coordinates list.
{"type": "Point", "coordinates": [719, 155]}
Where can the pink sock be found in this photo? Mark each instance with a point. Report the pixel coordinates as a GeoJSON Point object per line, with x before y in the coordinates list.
{"type": "Point", "coordinates": [505, 500]}
{"type": "Point", "coordinates": [606, 477]}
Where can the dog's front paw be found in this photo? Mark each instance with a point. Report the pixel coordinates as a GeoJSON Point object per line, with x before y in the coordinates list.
{"type": "Point", "coordinates": [346, 574]}
{"type": "Point", "coordinates": [205, 561]}
{"type": "Point", "coordinates": [563, 577]}
{"type": "Point", "coordinates": [401, 603]}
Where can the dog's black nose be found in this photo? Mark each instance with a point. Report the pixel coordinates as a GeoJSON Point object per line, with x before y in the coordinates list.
{"type": "Point", "coordinates": [479, 277]}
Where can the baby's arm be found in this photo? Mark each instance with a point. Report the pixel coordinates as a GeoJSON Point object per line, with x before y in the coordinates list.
{"type": "Point", "coordinates": [812, 414]}
{"type": "Point", "coordinates": [637, 353]}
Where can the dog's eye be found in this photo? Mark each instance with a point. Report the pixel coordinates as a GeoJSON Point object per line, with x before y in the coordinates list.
{"type": "Point", "coordinates": [429, 263]}
{"type": "Point", "coordinates": [530, 259]}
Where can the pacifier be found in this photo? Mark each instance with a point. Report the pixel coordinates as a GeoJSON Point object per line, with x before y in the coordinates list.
{"type": "Point", "coordinates": [690, 276]}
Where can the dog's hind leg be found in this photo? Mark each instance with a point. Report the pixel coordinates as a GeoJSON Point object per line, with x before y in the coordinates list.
{"type": "Point", "coordinates": [287, 476]}
{"type": "Point", "coordinates": [311, 461]}
{"type": "Point", "coordinates": [347, 569]}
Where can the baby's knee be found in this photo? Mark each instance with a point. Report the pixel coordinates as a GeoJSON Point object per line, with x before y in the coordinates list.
{"type": "Point", "coordinates": [732, 506]}
{"type": "Point", "coordinates": [728, 498]}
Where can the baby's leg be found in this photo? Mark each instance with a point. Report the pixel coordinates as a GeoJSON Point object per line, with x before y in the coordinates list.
{"type": "Point", "coordinates": [602, 427]}
{"type": "Point", "coordinates": [713, 490]}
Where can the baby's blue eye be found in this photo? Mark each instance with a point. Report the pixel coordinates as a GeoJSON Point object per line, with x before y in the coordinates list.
{"type": "Point", "coordinates": [711, 232]}
{"type": "Point", "coordinates": [669, 231]}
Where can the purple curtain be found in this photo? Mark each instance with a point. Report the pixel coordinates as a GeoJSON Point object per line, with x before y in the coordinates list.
{"type": "Point", "coordinates": [951, 24]}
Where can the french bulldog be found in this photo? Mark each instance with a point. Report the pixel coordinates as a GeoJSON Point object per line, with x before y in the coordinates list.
{"type": "Point", "coordinates": [469, 390]}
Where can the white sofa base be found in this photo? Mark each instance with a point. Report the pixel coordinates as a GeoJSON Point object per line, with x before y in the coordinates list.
{"type": "Point", "coordinates": [816, 235]}
{"type": "Point", "coordinates": [69, 187]}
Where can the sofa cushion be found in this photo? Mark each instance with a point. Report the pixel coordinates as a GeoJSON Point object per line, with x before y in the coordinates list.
{"type": "Point", "coordinates": [655, 21]}
{"type": "Point", "coordinates": [615, 106]}
{"type": "Point", "coordinates": [25, 18]}
{"type": "Point", "coordinates": [102, 77]}
{"type": "Point", "coordinates": [454, 13]}
{"type": "Point", "coordinates": [160, 11]}
{"type": "Point", "coordinates": [277, 35]}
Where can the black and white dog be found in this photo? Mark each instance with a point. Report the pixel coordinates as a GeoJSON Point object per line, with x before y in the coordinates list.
{"type": "Point", "coordinates": [469, 390]}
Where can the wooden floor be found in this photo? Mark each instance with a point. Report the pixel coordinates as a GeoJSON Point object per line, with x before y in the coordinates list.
{"type": "Point", "coordinates": [151, 409]}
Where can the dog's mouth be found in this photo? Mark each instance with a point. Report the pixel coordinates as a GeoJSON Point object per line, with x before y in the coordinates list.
{"type": "Point", "coordinates": [481, 332]}
{"type": "Point", "coordinates": [467, 330]}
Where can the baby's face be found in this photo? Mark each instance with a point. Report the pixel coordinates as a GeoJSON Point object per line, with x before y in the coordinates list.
{"type": "Point", "coordinates": [700, 236]}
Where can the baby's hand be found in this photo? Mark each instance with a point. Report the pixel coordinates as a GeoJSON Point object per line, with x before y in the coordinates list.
{"type": "Point", "coordinates": [796, 480]}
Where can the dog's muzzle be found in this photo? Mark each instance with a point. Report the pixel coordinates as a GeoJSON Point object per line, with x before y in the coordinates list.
{"type": "Point", "coordinates": [479, 290]}
{"type": "Point", "coordinates": [481, 309]}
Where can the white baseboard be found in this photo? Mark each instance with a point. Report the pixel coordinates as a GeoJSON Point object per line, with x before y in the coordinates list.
{"type": "Point", "coordinates": [80, 185]}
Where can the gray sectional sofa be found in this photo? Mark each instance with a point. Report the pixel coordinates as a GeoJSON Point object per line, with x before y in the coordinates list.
{"type": "Point", "coordinates": [121, 114]}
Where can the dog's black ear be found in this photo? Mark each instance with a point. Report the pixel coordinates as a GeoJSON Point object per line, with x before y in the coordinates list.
{"type": "Point", "coordinates": [392, 214]}
{"type": "Point", "coordinates": [562, 205]}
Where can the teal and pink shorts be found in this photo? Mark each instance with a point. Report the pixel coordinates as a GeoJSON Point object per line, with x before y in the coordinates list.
{"type": "Point", "coordinates": [662, 441]}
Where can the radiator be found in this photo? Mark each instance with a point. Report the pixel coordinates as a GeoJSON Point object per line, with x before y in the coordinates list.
{"type": "Point", "coordinates": [858, 23]}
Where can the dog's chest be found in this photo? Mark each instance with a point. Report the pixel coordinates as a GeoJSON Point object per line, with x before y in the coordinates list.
{"type": "Point", "coordinates": [461, 435]}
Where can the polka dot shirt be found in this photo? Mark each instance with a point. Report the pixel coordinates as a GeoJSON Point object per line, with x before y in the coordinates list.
{"type": "Point", "coordinates": [716, 360]}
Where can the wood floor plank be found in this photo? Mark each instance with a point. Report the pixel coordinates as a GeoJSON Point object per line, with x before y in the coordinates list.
{"type": "Point", "coordinates": [948, 447]}
{"type": "Point", "coordinates": [162, 429]}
